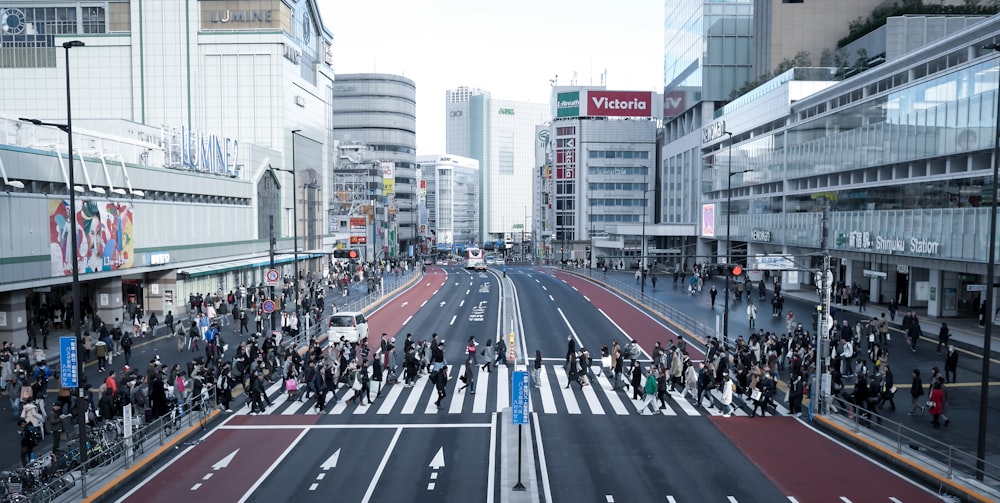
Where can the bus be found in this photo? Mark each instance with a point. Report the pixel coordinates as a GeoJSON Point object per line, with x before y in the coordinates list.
{"type": "Point", "coordinates": [474, 259]}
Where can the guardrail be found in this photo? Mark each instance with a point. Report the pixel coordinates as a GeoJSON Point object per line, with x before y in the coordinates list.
{"type": "Point", "coordinates": [934, 455]}
{"type": "Point", "coordinates": [61, 476]}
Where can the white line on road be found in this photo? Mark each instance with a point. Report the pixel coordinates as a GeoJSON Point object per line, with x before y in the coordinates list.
{"type": "Point", "coordinates": [587, 299]}
{"type": "Point", "coordinates": [460, 304]}
{"type": "Point", "coordinates": [550, 298]}
{"type": "Point", "coordinates": [670, 499]}
{"type": "Point", "coordinates": [381, 466]}
{"type": "Point", "coordinates": [493, 457]}
{"type": "Point", "coordinates": [424, 303]}
{"type": "Point", "coordinates": [503, 388]}
{"type": "Point", "coordinates": [732, 499]}
{"type": "Point", "coordinates": [844, 499]}
{"type": "Point", "coordinates": [313, 486]}
{"type": "Point", "coordinates": [196, 486]}
{"type": "Point", "coordinates": [792, 499]}
{"type": "Point", "coordinates": [453, 319]}
{"type": "Point", "coordinates": [408, 318]}
{"type": "Point", "coordinates": [548, 399]}
{"type": "Point", "coordinates": [573, 332]}
{"type": "Point", "coordinates": [207, 476]}
{"type": "Point", "coordinates": [894, 500]}
{"type": "Point", "coordinates": [571, 406]}
{"type": "Point", "coordinates": [609, 498]}
{"type": "Point", "coordinates": [546, 489]}
{"type": "Point", "coordinates": [274, 466]}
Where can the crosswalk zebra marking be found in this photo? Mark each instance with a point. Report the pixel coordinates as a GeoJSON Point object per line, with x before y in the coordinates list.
{"type": "Point", "coordinates": [458, 397]}
{"type": "Point", "coordinates": [605, 401]}
{"type": "Point", "coordinates": [548, 400]}
{"type": "Point", "coordinates": [686, 406]}
{"type": "Point", "coordinates": [613, 397]}
{"type": "Point", "coordinates": [568, 399]}
{"type": "Point", "coordinates": [390, 399]}
{"type": "Point", "coordinates": [416, 391]}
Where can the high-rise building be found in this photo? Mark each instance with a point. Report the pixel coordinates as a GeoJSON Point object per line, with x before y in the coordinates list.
{"type": "Point", "coordinates": [452, 199]}
{"type": "Point", "coordinates": [380, 111]}
{"type": "Point", "coordinates": [500, 135]}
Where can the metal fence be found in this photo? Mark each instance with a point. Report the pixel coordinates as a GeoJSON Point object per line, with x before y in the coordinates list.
{"type": "Point", "coordinates": [112, 445]}
{"type": "Point", "coordinates": [933, 455]}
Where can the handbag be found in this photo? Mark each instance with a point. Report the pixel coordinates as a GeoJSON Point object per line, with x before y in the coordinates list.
{"type": "Point", "coordinates": [755, 395]}
{"type": "Point", "coordinates": [357, 383]}
{"type": "Point", "coordinates": [291, 385]}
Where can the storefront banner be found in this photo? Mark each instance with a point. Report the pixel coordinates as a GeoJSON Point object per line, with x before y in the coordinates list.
{"type": "Point", "coordinates": [708, 220]}
{"type": "Point", "coordinates": [104, 231]}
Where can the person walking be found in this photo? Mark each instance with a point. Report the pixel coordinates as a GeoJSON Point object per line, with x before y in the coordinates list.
{"type": "Point", "coordinates": [572, 371]}
{"type": "Point", "coordinates": [536, 371]}
{"type": "Point", "coordinates": [468, 378]}
{"type": "Point", "coordinates": [488, 356]}
{"type": "Point", "coordinates": [712, 294]}
{"type": "Point", "coordinates": [470, 348]}
{"type": "Point", "coordinates": [570, 349]}
{"type": "Point", "coordinates": [887, 388]}
{"type": "Point", "coordinates": [440, 382]}
{"type": "Point", "coordinates": [936, 403]}
{"type": "Point", "coordinates": [916, 391]}
{"type": "Point", "coordinates": [796, 390]}
{"type": "Point", "coordinates": [751, 312]}
{"type": "Point", "coordinates": [727, 395]}
{"type": "Point", "coordinates": [636, 380]}
{"type": "Point", "coordinates": [951, 365]}
{"type": "Point", "coordinates": [914, 332]}
{"type": "Point", "coordinates": [650, 391]}
{"type": "Point", "coordinates": [944, 336]}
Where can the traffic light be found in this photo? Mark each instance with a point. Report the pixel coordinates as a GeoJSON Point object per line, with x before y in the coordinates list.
{"type": "Point", "coordinates": [736, 270]}
{"type": "Point", "coordinates": [345, 253]}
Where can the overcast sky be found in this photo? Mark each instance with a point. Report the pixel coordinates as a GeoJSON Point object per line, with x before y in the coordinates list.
{"type": "Point", "coordinates": [511, 48]}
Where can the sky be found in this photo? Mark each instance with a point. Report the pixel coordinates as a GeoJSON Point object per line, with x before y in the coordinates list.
{"type": "Point", "coordinates": [511, 48]}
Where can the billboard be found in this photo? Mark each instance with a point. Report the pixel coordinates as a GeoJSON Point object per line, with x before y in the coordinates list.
{"type": "Point", "coordinates": [708, 220]}
{"type": "Point", "coordinates": [568, 104]}
{"type": "Point", "coordinates": [104, 236]}
{"type": "Point", "coordinates": [388, 177]}
{"type": "Point", "coordinates": [600, 103]}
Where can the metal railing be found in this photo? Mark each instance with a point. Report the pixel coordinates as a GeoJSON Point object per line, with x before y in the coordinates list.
{"type": "Point", "coordinates": [61, 476]}
{"type": "Point", "coordinates": [939, 457]}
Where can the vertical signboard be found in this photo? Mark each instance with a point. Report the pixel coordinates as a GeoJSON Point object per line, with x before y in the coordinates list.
{"type": "Point", "coordinates": [568, 104]}
{"type": "Point", "coordinates": [520, 395]}
{"type": "Point", "coordinates": [68, 362]}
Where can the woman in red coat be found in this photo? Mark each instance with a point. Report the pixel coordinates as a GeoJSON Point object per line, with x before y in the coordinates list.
{"type": "Point", "coordinates": [936, 404]}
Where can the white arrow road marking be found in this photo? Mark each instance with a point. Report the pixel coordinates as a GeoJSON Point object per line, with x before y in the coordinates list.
{"type": "Point", "coordinates": [404, 304]}
{"type": "Point", "coordinates": [442, 304]}
{"type": "Point", "coordinates": [436, 463]}
{"type": "Point", "coordinates": [224, 462]}
{"type": "Point", "coordinates": [331, 462]}
{"type": "Point", "coordinates": [438, 460]}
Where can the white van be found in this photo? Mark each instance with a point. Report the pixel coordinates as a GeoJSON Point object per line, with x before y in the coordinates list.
{"type": "Point", "coordinates": [351, 325]}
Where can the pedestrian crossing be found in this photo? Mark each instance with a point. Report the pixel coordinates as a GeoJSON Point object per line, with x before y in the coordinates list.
{"type": "Point", "coordinates": [552, 394]}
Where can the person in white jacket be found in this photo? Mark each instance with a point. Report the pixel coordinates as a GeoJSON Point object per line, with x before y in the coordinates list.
{"type": "Point", "coordinates": [751, 313]}
{"type": "Point", "coordinates": [727, 395]}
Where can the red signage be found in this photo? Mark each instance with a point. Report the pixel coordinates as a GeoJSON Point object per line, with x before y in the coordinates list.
{"type": "Point", "coordinates": [674, 104]}
{"type": "Point", "coordinates": [619, 103]}
{"type": "Point", "coordinates": [359, 240]}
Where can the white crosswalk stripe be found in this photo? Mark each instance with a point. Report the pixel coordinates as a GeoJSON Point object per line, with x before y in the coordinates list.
{"type": "Point", "coordinates": [554, 394]}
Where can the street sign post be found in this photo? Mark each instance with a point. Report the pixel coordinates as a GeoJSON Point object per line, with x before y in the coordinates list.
{"type": "Point", "coordinates": [272, 277]}
{"type": "Point", "coordinates": [68, 363]}
{"type": "Point", "coordinates": [519, 408]}
{"type": "Point", "coordinates": [268, 306]}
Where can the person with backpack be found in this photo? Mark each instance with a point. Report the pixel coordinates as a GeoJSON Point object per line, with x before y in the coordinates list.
{"type": "Point", "coordinates": [126, 345]}
{"type": "Point", "coordinates": [29, 440]}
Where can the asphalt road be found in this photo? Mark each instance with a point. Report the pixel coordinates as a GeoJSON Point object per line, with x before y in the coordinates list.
{"type": "Point", "coordinates": [596, 446]}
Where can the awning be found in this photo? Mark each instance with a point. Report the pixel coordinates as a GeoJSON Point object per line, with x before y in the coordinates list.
{"type": "Point", "coordinates": [202, 270]}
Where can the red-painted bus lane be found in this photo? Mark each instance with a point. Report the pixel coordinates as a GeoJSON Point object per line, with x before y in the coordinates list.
{"type": "Point", "coordinates": [221, 469]}
{"type": "Point", "coordinates": [637, 324]}
{"type": "Point", "coordinates": [810, 467]}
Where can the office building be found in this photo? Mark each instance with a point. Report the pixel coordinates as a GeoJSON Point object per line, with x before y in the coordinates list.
{"type": "Point", "coordinates": [500, 134]}
{"type": "Point", "coordinates": [452, 199]}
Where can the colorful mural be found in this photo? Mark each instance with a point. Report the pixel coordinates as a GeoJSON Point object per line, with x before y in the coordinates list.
{"type": "Point", "coordinates": [104, 236]}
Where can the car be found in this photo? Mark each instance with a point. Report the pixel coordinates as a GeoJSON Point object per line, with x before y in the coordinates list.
{"type": "Point", "coordinates": [351, 326]}
{"type": "Point", "coordinates": [501, 261]}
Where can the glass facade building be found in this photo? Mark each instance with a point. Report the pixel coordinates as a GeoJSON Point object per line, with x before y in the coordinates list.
{"type": "Point", "coordinates": [902, 156]}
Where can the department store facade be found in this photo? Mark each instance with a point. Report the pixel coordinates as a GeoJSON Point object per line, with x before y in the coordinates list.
{"type": "Point", "coordinates": [180, 111]}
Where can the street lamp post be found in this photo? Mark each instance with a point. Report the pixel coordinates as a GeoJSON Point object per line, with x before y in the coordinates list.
{"type": "Point", "coordinates": [295, 220]}
{"type": "Point", "coordinates": [984, 388]}
{"type": "Point", "coordinates": [729, 241]}
{"type": "Point", "coordinates": [74, 258]}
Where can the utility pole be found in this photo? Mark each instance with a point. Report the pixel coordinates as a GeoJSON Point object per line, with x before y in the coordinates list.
{"type": "Point", "coordinates": [821, 382]}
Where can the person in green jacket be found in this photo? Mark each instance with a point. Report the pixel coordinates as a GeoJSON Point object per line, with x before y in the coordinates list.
{"type": "Point", "coordinates": [649, 391]}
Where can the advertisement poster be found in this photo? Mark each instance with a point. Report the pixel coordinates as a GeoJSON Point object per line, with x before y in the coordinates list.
{"type": "Point", "coordinates": [708, 220]}
{"type": "Point", "coordinates": [104, 234]}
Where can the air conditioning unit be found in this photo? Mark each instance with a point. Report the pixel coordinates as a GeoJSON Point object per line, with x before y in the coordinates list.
{"type": "Point", "coordinates": [300, 101]}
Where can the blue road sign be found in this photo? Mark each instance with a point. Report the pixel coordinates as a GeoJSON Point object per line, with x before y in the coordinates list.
{"type": "Point", "coordinates": [520, 394]}
{"type": "Point", "coordinates": [68, 363]}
